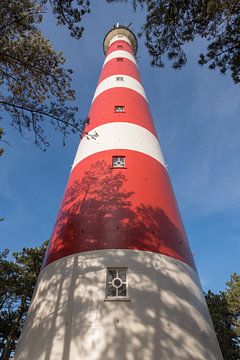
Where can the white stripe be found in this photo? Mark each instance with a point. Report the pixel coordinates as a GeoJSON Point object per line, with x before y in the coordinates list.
{"type": "Point", "coordinates": [112, 82]}
{"type": "Point", "coordinates": [118, 38]}
{"type": "Point", "coordinates": [120, 54]}
{"type": "Point", "coordinates": [120, 135]}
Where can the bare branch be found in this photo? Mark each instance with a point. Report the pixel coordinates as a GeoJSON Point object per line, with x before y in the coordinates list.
{"type": "Point", "coordinates": [34, 110]}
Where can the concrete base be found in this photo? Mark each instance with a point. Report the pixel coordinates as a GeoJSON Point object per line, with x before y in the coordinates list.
{"type": "Point", "coordinates": [166, 317]}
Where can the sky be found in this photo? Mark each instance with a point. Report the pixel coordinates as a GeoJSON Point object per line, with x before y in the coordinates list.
{"type": "Point", "coordinates": [197, 116]}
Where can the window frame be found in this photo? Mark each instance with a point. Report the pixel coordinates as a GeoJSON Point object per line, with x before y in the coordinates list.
{"type": "Point", "coordinates": [117, 297]}
{"type": "Point", "coordinates": [119, 106]}
{"type": "Point", "coordinates": [119, 78]}
{"type": "Point", "coordinates": [119, 167]}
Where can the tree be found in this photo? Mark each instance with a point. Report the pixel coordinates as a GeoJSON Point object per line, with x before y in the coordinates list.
{"type": "Point", "coordinates": [172, 23]}
{"type": "Point", "coordinates": [233, 300]}
{"type": "Point", "coordinates": [225, 312]}
{"type": "Point", "coordinates": [17, 282]}
{"type": "Point", "coordinates": [35, 85]}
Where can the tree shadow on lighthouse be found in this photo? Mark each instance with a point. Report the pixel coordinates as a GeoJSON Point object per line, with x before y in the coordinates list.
{"type": "Point", "coordinates": [102, 224]}
{"type": "Point", "coordinates": [101, 212]}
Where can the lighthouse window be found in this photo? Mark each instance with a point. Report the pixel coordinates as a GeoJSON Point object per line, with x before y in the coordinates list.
{"type": "Point", "coordinates": [119, 109]}
{"type": "Point", "coordinates": [119, 59]}
{"type": "Point", "coordinates": [120, 78]}
{"type": "Point", "coordinates": [118, 161]}
{"type": "Point", "coordinates": [116, 287]}
{"type": "Point", "coordinates": [119, 46]}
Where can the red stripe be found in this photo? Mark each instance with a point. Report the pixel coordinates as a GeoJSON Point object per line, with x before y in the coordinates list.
{"type": "Point", "coordinates": [120, 45]}
{"type": "Point", "coordinates": [132, 208]}
{"type": "Point", "coordinates": [136, 109]}
{"type": "Point", "coordinates": [113, 67]}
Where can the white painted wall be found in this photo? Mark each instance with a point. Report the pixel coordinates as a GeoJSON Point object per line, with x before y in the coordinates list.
{"type": "Point", "coordinates": [167, 317]}
{"type": "Point", "coordinates": [120, 54]}
{"type": "Point", "coordinates": [112, 82]}
{"type": "Point", "coordinates": [120, 135]}
{"type": "Point", "coordinates": [120, 37]}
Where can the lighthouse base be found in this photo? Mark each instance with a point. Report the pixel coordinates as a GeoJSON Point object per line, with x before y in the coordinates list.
{"type": "Point", "coordinates": [165, 316]}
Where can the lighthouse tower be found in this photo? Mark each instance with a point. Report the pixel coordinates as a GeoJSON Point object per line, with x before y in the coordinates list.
{"type": "Point", "coordinates": [118, 280]}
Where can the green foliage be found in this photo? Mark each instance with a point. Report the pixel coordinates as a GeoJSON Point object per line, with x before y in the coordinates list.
{"type": "Point", "coordinates": [172, 23]}
{"type": "Point", "coordinates": [233, 300]}
{"type": "Point", "coordinates": [225, 312]}
{"type": "Point", "coordinates": [17, 282]}
{"type": "Point", "coordinates": [35, 87]}
{"type": "Point", "coordinates": [70, 13]}
{"type": "Point", "coordinates": [34, 84]}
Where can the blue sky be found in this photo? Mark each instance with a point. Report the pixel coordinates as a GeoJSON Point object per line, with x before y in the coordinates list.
{"type": "Point", "coordinates": [197, 116]}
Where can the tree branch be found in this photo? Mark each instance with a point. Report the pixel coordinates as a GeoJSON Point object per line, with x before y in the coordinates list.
{"type": "Point", "coordinates": [10, 76]}
{"type": "Point", "coordinates": [22, 18]}
{"type": "Point", "coordinates": [41, 113]}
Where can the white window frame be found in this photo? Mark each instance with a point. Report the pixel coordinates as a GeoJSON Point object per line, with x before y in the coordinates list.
{"type": "Point", "coordinates": [116, 107]}
{"type": "Point", "coordinates": [119, 167]}
{"type": "Point", "coordinates": [117, 297]}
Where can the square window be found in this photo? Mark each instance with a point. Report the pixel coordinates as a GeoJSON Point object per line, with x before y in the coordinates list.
{"type": "Point", "coordinates": [116, 287]}
{"type": "Point", "coordinates": [120, 78]}
{"type": "Point", "coordinates": [119, 46]}
{"type": "Point", "coordinates": [118, 161]}
{"type": "Point", "coordinates": [119, 109]}
{"type": "Point", "coordinates": [120, 59]}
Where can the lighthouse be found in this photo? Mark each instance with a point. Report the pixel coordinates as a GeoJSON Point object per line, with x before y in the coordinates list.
{"type": "Point", "coordinates": [118, 280]}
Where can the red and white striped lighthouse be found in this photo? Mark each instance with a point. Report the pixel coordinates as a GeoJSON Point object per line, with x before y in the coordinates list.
{"type": "Point", "coordinates": [118, 280]}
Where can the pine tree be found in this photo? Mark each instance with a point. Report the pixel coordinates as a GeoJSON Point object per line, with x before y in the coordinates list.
{"type": "Point", "coordinates": [225, 312]}
{"type": "Point", "coordinates": [170, 24]}
{"type": "Point", "coordinates": [17, 282]}
{"type": "Point", "coordinates": [35, 87]}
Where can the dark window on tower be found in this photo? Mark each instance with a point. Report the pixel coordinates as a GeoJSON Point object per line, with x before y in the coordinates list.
{"type": "Point", "coordinates": [116, 286]}
{"type": "Point", "coordinates": [119, 59]}
{"type": "Point", "coordinates": [119, 78]}
{"type": "Point", "coordinates": [118, 161]}
{"type": "Point", "coordinates": [119, 109]}
{"type": "Point", "coordinates": [119, 46]}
